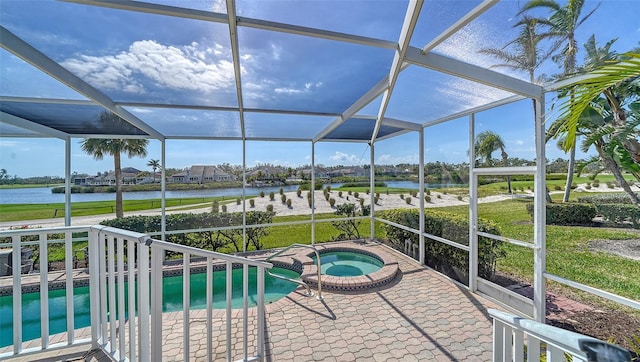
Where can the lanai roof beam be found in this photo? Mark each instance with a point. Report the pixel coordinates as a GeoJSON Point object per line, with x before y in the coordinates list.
{"type": "Point", "coordinates": [31, 55]}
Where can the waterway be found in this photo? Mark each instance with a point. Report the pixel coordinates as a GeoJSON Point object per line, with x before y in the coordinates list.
{"type": "Point", "coordinates": [43, 195]}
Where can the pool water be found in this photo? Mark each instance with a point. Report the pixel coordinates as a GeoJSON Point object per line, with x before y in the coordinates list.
{"type": "Point", "coordinates": [347, 264]}
{"type": "Point", "coordinates": [275, 289]}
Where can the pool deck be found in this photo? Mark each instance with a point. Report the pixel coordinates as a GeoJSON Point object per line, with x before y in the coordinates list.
{"type": "Point", "coordinates": [419, 316]}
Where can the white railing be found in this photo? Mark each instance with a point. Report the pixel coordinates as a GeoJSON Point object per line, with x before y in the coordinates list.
{"type": "Point", "coordinates": [519, 339]}
{"type": "Point", "coordinates": [132, 328]}
{"type": "Point", "coordinates": [42, 240]}
{"type": "Point", "coordinates": [117, 336]}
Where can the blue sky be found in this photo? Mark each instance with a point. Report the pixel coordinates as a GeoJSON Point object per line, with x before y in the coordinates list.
{"type": "Point", "coordinates": [145, 59]}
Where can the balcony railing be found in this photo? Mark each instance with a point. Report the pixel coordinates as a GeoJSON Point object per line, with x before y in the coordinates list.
{"type": "Point", "coordinates": [123, 264]}
{"type": "Point", "coordinates": [520, 339]}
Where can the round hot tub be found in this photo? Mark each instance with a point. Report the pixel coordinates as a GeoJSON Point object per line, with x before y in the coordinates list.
{"type": "Point", "coordinates": [347, 263]}
{"type": "Point", "coordinates": [352, 268]}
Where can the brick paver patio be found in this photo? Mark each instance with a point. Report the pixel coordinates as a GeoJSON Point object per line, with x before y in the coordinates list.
{"type": "Point", "coordinates": [419, 316]}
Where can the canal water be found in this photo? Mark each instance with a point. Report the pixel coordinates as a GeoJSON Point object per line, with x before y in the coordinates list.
{"type": "Point", "coordinates": [43, 195]}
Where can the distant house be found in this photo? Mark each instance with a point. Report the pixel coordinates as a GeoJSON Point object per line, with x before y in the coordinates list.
{"type": "Point", "coordinates": [318, 172]}
{"type": "Point", "coordinates": [129, 175]}
{"type": "Point", "coordinates": [199, 174]}
{"type": "Point", "coordinates": [353, 171]}
{"type": "Point", "coordinates": [266, 173]}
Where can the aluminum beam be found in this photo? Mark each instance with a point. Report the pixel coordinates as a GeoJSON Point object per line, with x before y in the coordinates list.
{"type": "Point", "coordinates": [31, 55]}
{"type": "Point", "coordinates": [409, 24]}
{"type": "Point", "coordinates": [474, 110]}
{"type": "Point", "coordinates": [472, 72]}
{"type": "Point", "coordinates": [209, 16]}
{"type": "Point", "coordinates": [470, 16]}
{"type": "Point", "coordinates": [233, 34]}
{"type": "Point", "coordinates": [31, 126]}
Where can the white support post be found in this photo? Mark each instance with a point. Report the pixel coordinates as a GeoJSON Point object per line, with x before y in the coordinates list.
{"type": "Point", "coordinates": [163, 188]}
{"type": "Point", "coordinates": [421, 183]}
{"type": "Point", "coordinates": [67, 184]}
{"type": "Point", "coordinates": [539, 217]}
{"type": "Point", "coordinates": [313, 193]}
{"type": "Point", "coordinates": [156, 302]}
{"type": "Point", "coordinates": [473, 209]}
{"type": "Point", "coordinates": [244, 195]}
{"type": "Point", "coordinates": [372, 187]}
{"type": "Point", "coordinates": [94, 288]}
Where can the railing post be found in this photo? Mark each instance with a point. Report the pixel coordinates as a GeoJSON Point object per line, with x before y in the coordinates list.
{"type": "Point", "coordinates": [156, 302]}
{"type": "Point", "coordinates": [143, 301]}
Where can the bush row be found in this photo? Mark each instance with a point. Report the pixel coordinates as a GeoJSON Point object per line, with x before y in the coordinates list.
{"type": "Point", "coordinates": [440, 256]}
{"type": "Point", "coordinates": [608, 198]}
{"type": "Point", "coordinates": [567, 213]}
{"type": "Point", "coordinates": [209, 240]}
{"type": "Point", "coordinates": [620, 213]}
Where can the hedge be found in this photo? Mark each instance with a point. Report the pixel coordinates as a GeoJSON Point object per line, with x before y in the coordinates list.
{"type": "Point", "coordinates": [567, 213]}
{"type": "Point", "coordinates": [209, 240]}
{"type": "Point", "coordinates": [440, 256]}
{"type": "Point", "coordinates": [608, 198]}
{"type": "Point", "coordinates": [620, 213]}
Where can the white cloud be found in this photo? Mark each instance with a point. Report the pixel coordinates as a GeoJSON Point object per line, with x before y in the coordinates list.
{"type": "Point", "coordinates": [307, 88]}
{"type": "Point", "coordinates": [189, 67]}
{"type": "Point", "coordinates": [340, 157]}
{"type": "Point", "coordinates": [388, 159]}
{"type": "Point", "coordinates": [219, 6]}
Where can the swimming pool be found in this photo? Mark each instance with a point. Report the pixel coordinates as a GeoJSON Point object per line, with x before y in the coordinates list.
{"type": "Point", "coordinates": [348, 263]}
{"type": "Point", "coordinates": [275, 289]}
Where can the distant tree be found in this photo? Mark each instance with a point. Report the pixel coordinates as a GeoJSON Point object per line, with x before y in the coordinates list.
{"type": "Point", "coordinates": [486, 143]}
{"type": "Point", "coordinates": [98, 147]}
{"type": "Point", "coordinates": [155, 165]}
{"type": "Point", "coordinates": [3, 173]}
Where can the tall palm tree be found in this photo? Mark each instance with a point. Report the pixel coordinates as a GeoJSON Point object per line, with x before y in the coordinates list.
{"type": "Point", "coordinates": [523, 53]}
{"type": "Point", "coordinates": [3, 173]}
{"type": "Point", "coordinates": [155, 165]}
{"type": "Point", "coordinates": [561, 27]}
{"type": "Point", "coordinates": [98, 147]}
{"type": "Point", "coordinates": [485, 144]}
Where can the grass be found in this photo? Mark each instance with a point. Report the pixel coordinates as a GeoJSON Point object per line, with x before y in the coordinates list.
{"type": "Point", "coordinates": [568, 252]}
{"type": "Point", "coordinates": [27, 186]}
{"type": "Point", "coordinates": [18, 212]}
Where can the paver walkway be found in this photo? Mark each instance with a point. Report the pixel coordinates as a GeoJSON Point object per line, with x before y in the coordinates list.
{"type": "Point", "coordinates": [420, 316]}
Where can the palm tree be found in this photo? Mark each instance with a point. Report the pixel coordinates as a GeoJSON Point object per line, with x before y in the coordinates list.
{"type": "Point", "coordinates": [98, 147]}
{"type": "Point", "coordinates": [487, 142]}
{"type": "Point", "coordinates": [523, 53]}
{"type": "Point", "coordinates": [3, 173]}
{"type": "Point", "coordinates": [155, 165]}
{"type": "Point", "coordinates": [562, 26]}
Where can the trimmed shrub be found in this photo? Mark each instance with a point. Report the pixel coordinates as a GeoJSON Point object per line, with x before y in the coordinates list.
{"type": "Point", "coordinates": [332, 202]}
{"type": "Point", "coordinates": [215, 206]}
{"type": "Point", "coordinates": [402, 196]}
{"type": "Point", "coordinates": [414, 193]}
{"type": "Point", "coordinates": [608, 198]}
{"type": "Point", "coordinates": [252, 203]}
{"type": "Point", "coordinates": [272, 196]}
{"type": "Point", "coordinates": [408, 200]}
{"type": "Point", "coordinates": [367, 191]}
{"type": "Point", "coordinates": [427, 198]}
{"type": "Point", "coordinates": [377, 194]}
{"type": "Point", "coordinates": [328, 188]}
{"type": "Point", "coordinates": [376, 199]}
{"type": "Point", "coordinates": [459, 198]}
{"type": "Point", "coordinates": [440, 256]}
{"type": "Point", "coordinates": [299, 193]}
{"type": "Point", "coordinates": [567, 213]}
{"type": "Point", "coordinates": [288, 202]}
{"type": "Point", "coordinates": [620, 213]}
{"type": "Point", "coordinates": [281, 191]}
{"type": "Point", "coordinates": [224, 208]}
{"type": "Point", "coordinates": [428, 192]}
{"type": "Point", "coordinates": [439, 196]}
{"type": "Point", "coordinates": [557, 187]}
{"type": "Point", "coordinates": [349, 192]}
{"type": "Point", "coordinates": [326, 196]}
{"type": "Point", "coordinates": [361, 201]}
{"type": "Point", "coordinates": [261, 193]}
{"type": "Point", "coordinates": [356, 194]}
{"type": "Point", "coordinates": [270, 208]}
{"type": "Point", "coordinates": [283, 198]}
{"type": "Point", "coordinates": [339, 193]}
{"type": "Point", "coordinates": [238, 201]}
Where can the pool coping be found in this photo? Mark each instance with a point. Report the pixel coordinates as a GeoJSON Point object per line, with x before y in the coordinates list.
{"type": "Point", "coordinates": [297, 260]}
